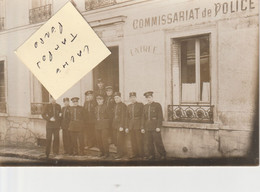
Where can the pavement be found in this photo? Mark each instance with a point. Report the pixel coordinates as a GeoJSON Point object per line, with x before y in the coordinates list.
{"type": "Point", "coordinates": [35, 156]}
{"type": "Point", "coordinates": [15, 159]}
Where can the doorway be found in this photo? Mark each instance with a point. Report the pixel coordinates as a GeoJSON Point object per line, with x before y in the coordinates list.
{"type": "Point", "coordinates": [108, 70]}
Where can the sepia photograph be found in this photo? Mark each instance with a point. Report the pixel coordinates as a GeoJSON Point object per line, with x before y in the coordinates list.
{"type": "Point", "coordinates": [149, 83]}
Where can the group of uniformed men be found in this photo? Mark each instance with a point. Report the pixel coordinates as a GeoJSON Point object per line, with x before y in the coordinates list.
{"type": "Point", "coordinates": [103, 120]}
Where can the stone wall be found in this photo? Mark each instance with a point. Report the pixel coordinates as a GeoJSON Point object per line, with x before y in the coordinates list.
{"type": "Point", "coordinates": [21, 131]}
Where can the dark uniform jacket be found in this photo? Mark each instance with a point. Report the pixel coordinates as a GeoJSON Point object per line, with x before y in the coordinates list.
{"type": "Point", "coordinates": [89, 111]}
{"type": "Point", "coordinates": [52, 110]}
{"type": "Point", "coordinates": [110, 103]}
{"type": "Point", "coordinates": [76, 118]}
{"type": "Point", "coordinates": [101, 92]}
{"type": "Point", "coordinates": [120, 116]}
{"type": "Point", "coordinates": [65, 118]}
{"type": "Point", "coordinates": [152, 116]}
{"type": "Point", "coordinates": [102, 117]}
{"type": "Point", "coordinates": [134, 115]}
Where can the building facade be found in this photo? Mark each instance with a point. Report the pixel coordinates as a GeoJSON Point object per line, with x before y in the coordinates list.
{"type": "Point", "coordinates": [199, 57]}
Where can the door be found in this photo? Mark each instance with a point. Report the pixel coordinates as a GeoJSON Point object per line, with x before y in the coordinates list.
{"type": "Point", "coordinates": [108, 70]}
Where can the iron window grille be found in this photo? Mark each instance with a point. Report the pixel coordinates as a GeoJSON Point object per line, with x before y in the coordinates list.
{"type": "Point", "coordinates": [191, 113]}
{"type": "Point", "coordinates": [40, 14]}
{"type": "Point", "coordinates": [96, 4]}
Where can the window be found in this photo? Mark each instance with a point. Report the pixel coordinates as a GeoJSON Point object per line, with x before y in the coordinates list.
{"type": "Point", "coordinates": [191, 83]}
{"type": "Point", "coordinates": [2, 87]}
{"type": "Point", "coordinates": [195, 73]}
{"type": "Point", "coordinates": [40, 96]}
{"type": "Point", "coordinates": [41, 11]}
{"type": "Point", "coordinates": [38, 3]}
{"type": "Point", "coordinates": [94, 4]}
{"type": "Point", "coordinates": [2, 14]}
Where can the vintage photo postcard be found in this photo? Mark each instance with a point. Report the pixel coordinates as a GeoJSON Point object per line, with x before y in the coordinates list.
{"type": "Point", "coordinates": [129, 83]}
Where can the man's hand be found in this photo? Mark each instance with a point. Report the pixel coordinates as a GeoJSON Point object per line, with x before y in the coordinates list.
{"type": "Point", "coordinates": [157, 129]}
{"type": "Point", "coordinates": [60, 114]}
{"type": "Point", "coordinates": [121, 129]}
{"type": "Point", "coordinates": [126, 130]}
{"type": "Point", "coordinates": [52, 119]}
{"type": "Point", "coordinates": [142, 131]}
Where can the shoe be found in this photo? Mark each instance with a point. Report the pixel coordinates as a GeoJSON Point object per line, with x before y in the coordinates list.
{"type": "Point", "coordinates": [163, 157]}
{"type": "Point", "coordinates": [81, 153]}
{"type": "Point", "coordinates": [134, 157]}
{"type": "Point", "coordinates": [151, 158]}
{"type": "Point", "coordinates": [105, 156]}
{"type": "Point", "coordinates": [118, 157]}
{"type": "Point", "coordinates": [101, 155]}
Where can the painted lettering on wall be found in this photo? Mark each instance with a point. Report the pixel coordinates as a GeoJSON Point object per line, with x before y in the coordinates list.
{"type": "Point", "coordinates": [143, 49]}
{"type": "Point", "coordinates": [216, 10]}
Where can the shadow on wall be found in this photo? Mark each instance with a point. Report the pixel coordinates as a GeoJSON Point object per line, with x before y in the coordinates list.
{"type": "Point", "coordinates": [254, 149]}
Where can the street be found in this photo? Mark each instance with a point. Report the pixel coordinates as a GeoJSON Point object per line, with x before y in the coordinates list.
{"type": "Point", "coordinates": [15, 159]}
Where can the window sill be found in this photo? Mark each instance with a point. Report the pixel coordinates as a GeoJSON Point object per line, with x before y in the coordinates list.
{"type": "Point", "coordinates": [3, 115]}
{"type": "Point", "coordinates": [191, 125]}
{"type": "Point", "coordinates": [195, 103]}
{"type": "Point", "coordinates": [36, 117]}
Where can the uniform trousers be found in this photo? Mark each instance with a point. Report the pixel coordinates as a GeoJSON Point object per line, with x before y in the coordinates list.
{"type": "Point", "coordinates": [55, 133]}
{"type": "Point", "coordinates": [137, 142]}
{"type": "Point", "coordinates": [154, 139]}
{"type": "Point", "coordinates": [121, 143]}
{"type": "Point", "coordinates": [90, 135]}
{"type": "Point", "coordinates": [102, 140]}
{"type": "Point", "coordinates": [111, 134]}
{"type": "Point", "coordinates": [66, 141]}
{"type": "Point", "coordinates": [77, 141]}
{"type": "Point", "coordinates": [114, 136]}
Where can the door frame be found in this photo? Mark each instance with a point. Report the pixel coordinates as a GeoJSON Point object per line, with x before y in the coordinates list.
{"type": "Point", "coordinates": [121, 74]}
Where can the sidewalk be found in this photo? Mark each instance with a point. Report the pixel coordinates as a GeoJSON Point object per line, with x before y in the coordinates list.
{"type": "Point", "coordinates": [38, 153]}
{"type": "Point", "coordinates": [38, 157]}
{"type": "Point", "coordinates": [35, 156]}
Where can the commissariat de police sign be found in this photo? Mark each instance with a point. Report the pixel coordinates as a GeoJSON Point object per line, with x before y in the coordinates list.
{"type": "Point", "coordinates": [196, 13]}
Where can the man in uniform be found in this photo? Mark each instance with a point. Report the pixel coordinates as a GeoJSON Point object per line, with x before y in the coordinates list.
{"type": "Point", "coordinates": [101, 126]}
{"type": "Point", "coordinates": [89, 119]}
{"type": "Point", "coordinates": [52, 114]}
{"type": "Point", "coordinates": [119, 125]}
{"type": "Point", "coordinates": [134, 118]}
{"type": "Point", "coordinates": [152, 123]}
{"type": "Point", "coordinates": [65, 120]}
{"type": "Point", "coordinates": [100, 88]}
{"type": "Point", "coordinates": [110, 103]}
{"type": "Point", "coordinates": [75, 127]}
